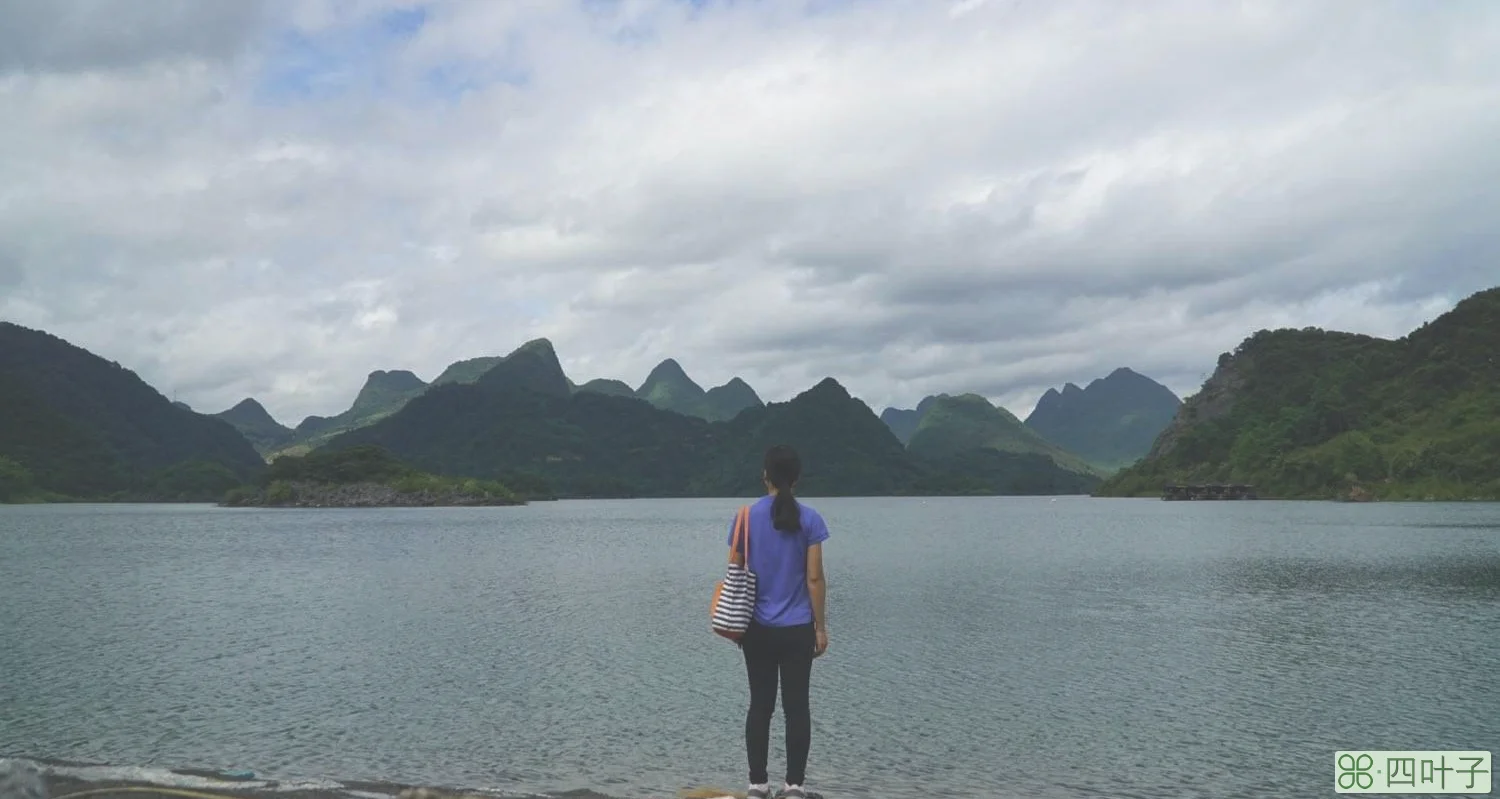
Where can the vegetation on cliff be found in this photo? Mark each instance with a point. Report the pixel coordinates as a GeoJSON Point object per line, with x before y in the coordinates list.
{"type": "Point", "coordinates": [1319, 414]}
{"type": "Point", "coordinates": [362, 476]}
{"type": "Point", "coordinates": [953, 425]}
{"type": "Point", "coordinates": [76, 426]}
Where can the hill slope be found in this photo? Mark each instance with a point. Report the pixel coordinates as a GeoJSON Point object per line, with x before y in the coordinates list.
{"type": "Point", "coordinates": [1111, 423]}
{"type": "Point", "coordinates": [602, 385]}
{"type": "Point", "coordinates": [466, 371]}
{"type": "Point", "coordinates": [844, 446]}
{"type": "Point", "coordinates": [668, 387]}
{"type": "Point", "coordinates": [533, 367]}
{"type": "Point", "coordinates": [903, 421]}
{"type": "Point", "coordinates": [955, 424]}
{"type": "Point", "coordinates": [383, 393]}
{"type": "Point", "coordinates": [75, 425]}
{"type": "Point", "coordinates": [257, 426]}
{"type": "Point", "coordinates": [1319, 414]}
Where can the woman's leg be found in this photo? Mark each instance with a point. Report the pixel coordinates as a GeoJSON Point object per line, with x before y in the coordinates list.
{"type": "Point", "coordinates": [761, 668]}
{"type": "Point", "coordinates": [796, 680]}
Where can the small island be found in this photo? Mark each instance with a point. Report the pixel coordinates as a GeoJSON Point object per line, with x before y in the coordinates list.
{"type": "Point", "coordinates": [362, 477]}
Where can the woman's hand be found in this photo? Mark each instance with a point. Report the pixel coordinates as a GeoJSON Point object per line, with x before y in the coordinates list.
{"type": "Point", "coordinates": [822, 645]}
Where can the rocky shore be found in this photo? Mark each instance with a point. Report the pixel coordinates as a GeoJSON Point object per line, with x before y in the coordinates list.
{"type": "Point", "coordinates": [365, 495]}
{"type": "Point", "coordinates": [23, 779]}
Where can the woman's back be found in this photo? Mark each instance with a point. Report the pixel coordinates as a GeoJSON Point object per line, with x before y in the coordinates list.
{"type": "Point", "coordinates": [779, 560]}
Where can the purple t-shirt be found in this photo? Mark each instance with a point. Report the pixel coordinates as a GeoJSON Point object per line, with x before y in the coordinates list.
{"type": "Point", "coordinates": [779, 560]}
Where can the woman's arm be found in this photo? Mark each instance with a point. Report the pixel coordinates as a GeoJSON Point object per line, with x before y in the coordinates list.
{"type": "Point", "coordinates": [817, 588]}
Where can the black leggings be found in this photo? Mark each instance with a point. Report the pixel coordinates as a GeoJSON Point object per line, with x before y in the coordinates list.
{"type": "Point", "coordinates": [786, 652]}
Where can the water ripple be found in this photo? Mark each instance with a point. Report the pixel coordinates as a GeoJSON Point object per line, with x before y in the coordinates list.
{"type": "Point", "coordinates": [981, 647]}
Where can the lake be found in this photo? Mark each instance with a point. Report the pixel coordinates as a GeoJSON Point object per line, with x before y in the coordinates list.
{"type": "Point", "coordinates": [995, 647]}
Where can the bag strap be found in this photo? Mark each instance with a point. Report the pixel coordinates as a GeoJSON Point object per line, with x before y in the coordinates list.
{"type": "Point", "coordinates": [741, 534]}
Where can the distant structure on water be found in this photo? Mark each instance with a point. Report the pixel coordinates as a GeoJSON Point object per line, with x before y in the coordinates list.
{"type": "Point", "coordinates": [1208, 491]}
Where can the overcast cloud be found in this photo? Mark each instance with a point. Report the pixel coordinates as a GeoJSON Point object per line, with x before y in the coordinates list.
{"type": "Point", "coordinates": [913, 196]}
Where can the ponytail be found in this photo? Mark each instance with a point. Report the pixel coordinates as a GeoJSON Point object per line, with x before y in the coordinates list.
{"type": "Point", "coordinates": [782, 468]}
{"type": "Point", "coordinates": [786, 514]}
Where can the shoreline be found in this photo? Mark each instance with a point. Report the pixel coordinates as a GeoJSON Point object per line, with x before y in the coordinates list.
{"type": "Point", "coordinates": [32, 502]}
{"type": "Point", "coordinates": [42, 778]}
{"type": "Point", "coordinates": [370, 494]}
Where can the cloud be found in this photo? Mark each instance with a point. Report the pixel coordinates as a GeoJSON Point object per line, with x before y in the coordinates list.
{"type": "Point", "coordinates": [911, 196]}
{"type": "Point", "coordinates": [80, 35]}
{"type": "Point", "coordinates": [11, 271]}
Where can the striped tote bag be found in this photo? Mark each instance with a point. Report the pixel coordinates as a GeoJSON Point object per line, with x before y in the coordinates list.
{"type": "Point", "coordinates": [734, 596]}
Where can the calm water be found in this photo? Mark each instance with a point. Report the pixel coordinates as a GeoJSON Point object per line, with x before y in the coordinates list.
{"type": "Point", "coordinates": [980, 647]}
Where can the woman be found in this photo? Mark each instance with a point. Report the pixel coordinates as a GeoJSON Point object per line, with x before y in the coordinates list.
{"type": "Point", "coordinates": [788, 627]}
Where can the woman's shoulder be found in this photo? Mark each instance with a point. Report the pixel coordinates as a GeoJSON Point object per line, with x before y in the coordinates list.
{"type": "Point", "coordinates": [813, 524]}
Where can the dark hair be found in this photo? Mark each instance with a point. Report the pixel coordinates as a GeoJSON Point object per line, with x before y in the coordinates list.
{"type": "Point", "coordinates": [783, 467]}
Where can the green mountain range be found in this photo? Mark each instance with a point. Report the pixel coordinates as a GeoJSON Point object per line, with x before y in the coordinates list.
{"type": "Point", "coordinates": [1321, 414]}
{"type": "Point", "coordinates": [668, 387]}
{"type": "Point", "coordinates": [74, 425]}
{"type": "Point", "coordinates": [385, 392]}
{"type": "Point", "coordinates": [1111, 423]}
{"type": "Point", "coordinates": [966, 435]}
{"type": "Point", "coordinates": [1297, 413]}
{"type": "Point", "coordinates": [518, 426]}
{"type": "Point", "coordinates": [952, 424]}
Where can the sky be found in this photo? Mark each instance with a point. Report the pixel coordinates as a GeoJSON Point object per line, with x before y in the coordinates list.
{"type": "Point", "coordinates": [273, 199]}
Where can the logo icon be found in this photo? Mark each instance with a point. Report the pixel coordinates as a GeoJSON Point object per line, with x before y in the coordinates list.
{"type": "Point", "coordinates": [1354, 771]}
{"type": "Point", "coordinates": [1412, 772]}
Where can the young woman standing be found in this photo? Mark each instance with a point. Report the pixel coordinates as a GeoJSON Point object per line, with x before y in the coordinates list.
{"type": "Point", "coordinates": [788, 629]}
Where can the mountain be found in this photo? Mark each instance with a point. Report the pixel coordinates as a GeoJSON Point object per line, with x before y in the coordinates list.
{"type": "Point", "coordinates": [844, 447]}
{"type": "Point", "coordinates": [725, 402]}
{"type": "Point", "coordinates": [533, 367]}
{"type": "Point", "coordinates": [466, 371]}
{"type": "Point", "coordinates": [583, 444]}
{"type": "Point", "coordinates": [1321, 414]}
{"type": "Point", "coordinates": [668, 387]}
{"type": "Point", "coordinates": [951, 425]}
{"type": "Point", "coordinates": [383, 393]}
{"type": "Point", "coordinates": [256, 425]}
{"type": "Point", "coordinates": [984, 449]}
{"type": "Point", "coordinates": [903, 422]}
{"type": "Point", "coordinates": [589, 443]}
{"type": "Point", "coordinates": [75, 425]}
{"type": "Point", "coordinates": [616, 388]}
{"type": "Point", "coordinates": [1111, 423]}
